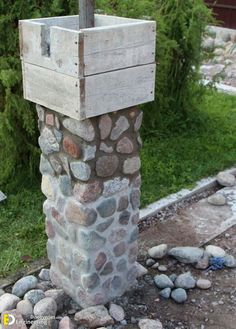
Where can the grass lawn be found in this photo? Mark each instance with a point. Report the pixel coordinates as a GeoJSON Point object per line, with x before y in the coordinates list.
{"type": "Point", "coordinates": [169, 162]}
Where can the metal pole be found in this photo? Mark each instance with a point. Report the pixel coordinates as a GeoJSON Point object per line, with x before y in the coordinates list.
{"type": "Point", "coordinates": [86, 13]}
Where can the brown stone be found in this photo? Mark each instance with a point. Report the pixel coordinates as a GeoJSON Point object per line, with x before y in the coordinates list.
{"type": "Point", "coordinates": [119, 249]}
{"type": "Point", "coordinates": [117, 235]}
{"type": "Point", "coordinates": [123, 203]}
{"type": "Point", "coordinates": [50, 119]}
{"type": "Point", "coordinates": [135, 199]}
{"type": "Point", "coordinates": [63, 267]}
{"type": "Point", "coordinates": [108, 269]}
{"type": "Point", "coordinates": [107, 165]}
{"type": "Point", "coordinates": [56, 216]}
{"type": "Point", "coordinates": [105, 124]}
{"type": "Point", "coordinates": [100, 261]}
{"type": "Point", "coordinates": [87, 192]}
{"type": "Point", "coordinates": [50, 230]}
{"type": "Point", "coordinates": [71, 147]}
{"type": "Point", "coordinates": [125, 146]}
{"type": "Point", "coordinates": [80, 215]}
{"type": "Point", "coordinates": [133, 253]}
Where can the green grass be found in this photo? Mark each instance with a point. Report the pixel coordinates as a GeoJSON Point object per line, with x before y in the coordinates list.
{"type": "Point", "coordinates": [170, 161]}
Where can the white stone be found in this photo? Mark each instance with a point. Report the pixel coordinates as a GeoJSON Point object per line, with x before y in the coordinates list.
{"type": "Point", "coordinates": [131, 165]}
{"type": "Point", "coordinates": [187, 255]}
{"type": "Point", "coordinates": [44, 274]}
{"type": "Point", "coordinates": [48, 142]}
{"type": "Point", "coordinates": [226, 179]}
{"type": "Point", "coordinates": [158, 252]}
{"type": "Point", "coordinates": [105, 148]}
{"type": "Point", "coordinates": [150, 324]}
{"type": "Point", "coordinates": [215, 251]}
{"type": "Point", "coordinates": [25, 308]}
{"type": "Point", "coordinates": [141, 270]}
{"type": "Point", "coordinates": [217, 200]}
{"type": "Point", "coordinates": [115, 185]}
{"type": "Point", "coordinates": [203, 284]}
{"type": "Point", "coordinates": [45, 307]}
{"type": "Point", "coordinates": [117, 312]}
{"type": "Point", "coordinates": [41, 112]}
{"type": "Point", "coordinates": [66, 323]}
{"type": "Point", "coordinates": [81, 170]}
{"type": "Point", "coordinates": [48, 187]}
{"type": "Point", "coordinates": [138, 122]}
{"type": "Point", "coordinates": [83, 129]}
{"type": "Point", "coordinates": [122, 124]}
{"type": "Point", "coordinates": [93, 317]}
{"type": "Point", "coordinates": [8, 302]}
{"type": "Point", "coordinates": [89, 152]}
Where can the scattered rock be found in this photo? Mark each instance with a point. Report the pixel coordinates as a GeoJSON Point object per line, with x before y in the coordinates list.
{"type": "Point", "coordinates": [165, 293]}
{"type": "Point", "coordinates": [23, 285]}
{"type": "Point", "coordinates": [217, 200]}
{"type": "Point", "coordinates": [179, 295]}
{"type": "Point", "coordinates": [59, 296]}
{"type": "Point", "coordinates": [185, 281]}
{"type": "Point", "coordinates": [94, 317]}
{"type": "Point", "coordinates": [34, 296]}
{"type": "Point", "coordinates": [173, 277]}
{"type": "Point", "coordinates": [25, 308]}
{"type": "Point", "coordinates": [44, 274]}
{"type": "Point", "coordinates": [187, 255]}
{"type": "Point", "coordinates": [230, 261]}
{"type": "Point", "coordinates": [45, 307]}
{"type": "Point", "coordinates": [203, 284]}
{"type": "Point", "coordinates": [162, 268]}
{"type": "Point", "coordinates": [150, 324]}
{"type": "Point", "coordinates": [66, 323]}
{"type": "Point", "coordinates": [117, 312]}
{"type": "Point", "coordinates": [8, 302]}
{"type": "Point", "coordinates": [226, 179]}
{"type": "Point", "coordinates": [203, 263]}
{"type": "Point", "coordinates": [156, 265]}
{"type": "Point", "coordinates": [150, 262]}
{"type": "Point", "coordinates": [158, 252]}
{"type": "Point", "coordinates": [163, 281]}
{"type": "Point", "coordinates": [215, 251]}
{"type": "Point", "coordinates": [141, 270]}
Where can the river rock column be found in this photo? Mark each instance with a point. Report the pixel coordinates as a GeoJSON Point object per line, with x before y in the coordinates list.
{"type": "Point", "coordinates": [92, 183]}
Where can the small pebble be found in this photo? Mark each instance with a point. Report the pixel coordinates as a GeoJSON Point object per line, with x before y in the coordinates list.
{"type": "Point", "coordinates": [165, 293]}
{"type": "Point", "coordinates": [155, 266]}
{"type": "Point", "coordinates": [150, 262]}
{"type": "Point", "coordinates": [158, 252]}
{"type": "Point", "coordinates": [203, 284]}
{"type": "Point", "coordinates": [179, 295]}
{"type": "Point", "coordinates": [44, 274]}
{"type": "Point", "coordinates": [162, 268]}
{"type": "Point", "coordinates": [117, 312]}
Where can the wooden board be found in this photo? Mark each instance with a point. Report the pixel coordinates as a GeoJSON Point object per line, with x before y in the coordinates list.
{"type": "Point", "coordinates": [91, 96]}
{"type": "Point", "coordinates": [117, 43]}
{"type": "Point", "coordinates": [117, 47]}
{"type": "Point", "coordinates": [117, 90]}
{"type": "Point", "coordinates": [51, 89]}
{"type": "Point", "coordinates": [55, 49]}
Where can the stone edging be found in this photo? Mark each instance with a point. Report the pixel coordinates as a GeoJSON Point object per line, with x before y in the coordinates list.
{"type": "Point", "coordinates": [180, 196]}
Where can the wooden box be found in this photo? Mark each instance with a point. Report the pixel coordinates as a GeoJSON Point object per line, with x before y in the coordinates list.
{"type": "Point", "coordinates": [88, 72]}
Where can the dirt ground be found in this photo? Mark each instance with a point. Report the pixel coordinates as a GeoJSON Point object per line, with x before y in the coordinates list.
{"type": "Point", "coordinates": [210, 309]}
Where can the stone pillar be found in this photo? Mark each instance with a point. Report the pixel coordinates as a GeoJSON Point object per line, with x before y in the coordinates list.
{"type": "Point", "coordinates": [92, 183]}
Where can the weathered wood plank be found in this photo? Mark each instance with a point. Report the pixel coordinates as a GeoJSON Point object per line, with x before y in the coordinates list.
{"type": "Point", "coordinates": [51, 89]}
{"type": "Point", "coordinates": [55, 49]}
{"type": "Point", "coordinates": [119, 47]}
{"type": "Point", "coordinates": [117, 90]}
{"type": "Point", "coordinates": [86, 14]}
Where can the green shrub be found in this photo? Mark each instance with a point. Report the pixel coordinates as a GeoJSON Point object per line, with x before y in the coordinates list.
{"type": "Point", "coordinates": [178, 92]}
